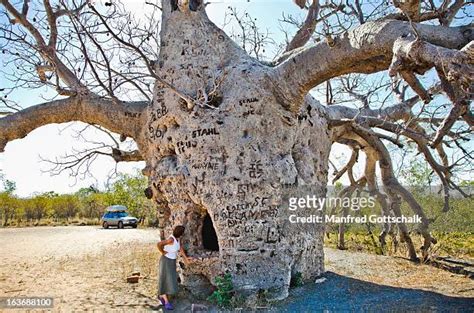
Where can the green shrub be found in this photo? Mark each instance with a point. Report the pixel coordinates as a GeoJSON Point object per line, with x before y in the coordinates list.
{"type": "Point", "coordinates": [296, 280]}
{"type": "Point", "coordinates": [224, 294]}
{"type": "Point", "coordinates": [85, 207]}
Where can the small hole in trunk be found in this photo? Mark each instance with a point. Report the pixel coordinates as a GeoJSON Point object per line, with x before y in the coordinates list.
{"type": "Point", "coordinates": [209, 236]}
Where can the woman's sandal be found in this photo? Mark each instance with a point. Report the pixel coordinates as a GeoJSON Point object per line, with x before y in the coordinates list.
{"type": "Point", "coordinates": [168, 306]}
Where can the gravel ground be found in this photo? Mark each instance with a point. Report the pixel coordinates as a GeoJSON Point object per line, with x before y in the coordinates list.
{"type": "Point", "coordinates": [81, 267]}
{"type": "Point", "coordinates": [85, 268]}
{"type": "Point", "coordinates": [340, 293]}
{"type": "Point", "coordinates": [360, 282]}
{"type": "Point", "coordinates": [66, 241]}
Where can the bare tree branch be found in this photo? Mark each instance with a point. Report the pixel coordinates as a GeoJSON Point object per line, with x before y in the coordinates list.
{"type": "Point", "coordinates": [119, 117]}
{"type": "Point", "coordinates": [365, 49]}
{"type": "Point", "coordinates": [306, 30]}
{"type": "Point", "coordinates": [47, 51]}
{"type": "Point", "coordinates": [126, 156]}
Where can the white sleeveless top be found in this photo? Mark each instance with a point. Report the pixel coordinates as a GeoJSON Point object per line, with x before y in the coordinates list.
{"type": "Point", "coordinates": [172, 249]}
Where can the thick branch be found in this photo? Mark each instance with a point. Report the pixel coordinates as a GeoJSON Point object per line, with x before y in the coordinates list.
{"type": "Point", "coordinates": [391, 182]}
{"type": "Point", "coordinates": [392, 204]}
{"type": "Point", "coordinates": [417, 56]}
{"type": "Point", "coordinates": [119, 117]}
{"type": "Point", "coordinates": [303, 34]}
{"type": "Point", "coordinates": [411, 8]}
{"type": "Point", "coordinates": [422, 143]}
{"type": "Point", "coordinates": [47, 51]}
{"type": "Point", "coordinates": [399, 111]}
{"type": "Point", "coordinates": [365, 49]}
{"type": "Point", "coordinates": [126, 156]}
{"type": "Point", "coordinates": [455, 70]}
{"type": "Point", "coordinates": [348, 167]}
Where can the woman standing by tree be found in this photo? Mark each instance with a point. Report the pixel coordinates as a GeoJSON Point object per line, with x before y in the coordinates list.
{"type": "Point", "coordinates": [168, 280]}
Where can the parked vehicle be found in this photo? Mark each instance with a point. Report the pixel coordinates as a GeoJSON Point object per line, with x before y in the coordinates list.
{"type": "Point", "coordinates": [117, 215]}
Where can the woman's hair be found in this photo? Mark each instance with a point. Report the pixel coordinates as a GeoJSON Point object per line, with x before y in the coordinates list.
{"type": "Point", "coordinates": [178, 231]}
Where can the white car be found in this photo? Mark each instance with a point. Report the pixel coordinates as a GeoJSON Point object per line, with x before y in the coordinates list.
{"type": "Point", "coordinates": [117, 215]}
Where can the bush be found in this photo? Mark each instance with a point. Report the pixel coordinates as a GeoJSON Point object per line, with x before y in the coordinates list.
{"type": "Point", "coordinates": [85, 207]}
{"type": "Point", "coordinates": [224, 293]}
{"type": "Point", "coordinates": [296, 280]}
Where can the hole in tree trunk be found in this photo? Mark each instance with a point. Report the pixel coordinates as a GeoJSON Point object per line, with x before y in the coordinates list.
{"type": "Point", "coordinates": [209, 236]}
{"type": "Point", "coordinates": [215, 100]}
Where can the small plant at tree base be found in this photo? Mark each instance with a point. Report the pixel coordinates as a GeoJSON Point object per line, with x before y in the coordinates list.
{"type": "Point", "coordinates": [296, 280]}
{"type": "Point", "coordinates": [224, 293]}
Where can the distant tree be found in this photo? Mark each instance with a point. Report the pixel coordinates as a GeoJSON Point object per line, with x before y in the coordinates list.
{"type": "Point", "coordinates": [8, 202]}
{"type": "Point", "coordinates": [8, 207]}
{"type": "Point", "coordinates": [467, 183]}
{"type": "Point", "coordinates": [9, 186]}
{"type": "Point", "coordinates": [65, 206]}
{"type": "Point", "coordinates": [128, 190]}
{"type": "Point", "coordinates": [92, 202]}
{"type": "Point", "coordinates": [418, 175]}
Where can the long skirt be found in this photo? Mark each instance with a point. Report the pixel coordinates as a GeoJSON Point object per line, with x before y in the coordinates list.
{"type": "Point", "coordinates": [168, 279]}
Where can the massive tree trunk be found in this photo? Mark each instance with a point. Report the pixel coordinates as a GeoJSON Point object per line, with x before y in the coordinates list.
{"type": "Point", "coordinates": [232, 157]}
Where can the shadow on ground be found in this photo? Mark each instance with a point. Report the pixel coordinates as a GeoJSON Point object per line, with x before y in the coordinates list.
{"type": "Point", "coordinates": [339, 293]}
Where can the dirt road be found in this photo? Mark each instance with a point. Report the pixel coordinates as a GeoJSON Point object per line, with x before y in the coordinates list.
{"type": "Point", "coordinates": [85, 268]}
{"type": "Point", "coordinates": [360, 282]}
{"type": "Point", "coordinates": [21, 244]}
{"type": "Point", "coordinates": [81, 267]}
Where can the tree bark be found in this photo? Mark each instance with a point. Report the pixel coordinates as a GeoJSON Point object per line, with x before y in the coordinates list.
{"type": "Point", "coordinates": [365, 49]}
{"type": "Point", "coordinates": [234, 156]}
{"type": "Point", "coordinates": [119, 117]}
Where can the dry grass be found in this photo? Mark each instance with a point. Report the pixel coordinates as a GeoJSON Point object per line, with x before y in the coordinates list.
{"type": "Point", "coordinates": [54, 222]}
{"type": "Point", "coordinates": [455, 244]}
{"type": "Point", "coordinates": [397, 272]}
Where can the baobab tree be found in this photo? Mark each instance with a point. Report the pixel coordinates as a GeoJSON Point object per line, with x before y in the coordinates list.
{"type": "Point", "coordinates": [227, 137]}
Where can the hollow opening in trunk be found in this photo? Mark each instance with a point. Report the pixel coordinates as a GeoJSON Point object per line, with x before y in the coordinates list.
{"type": "Point", "coordinates": [208, 233]}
